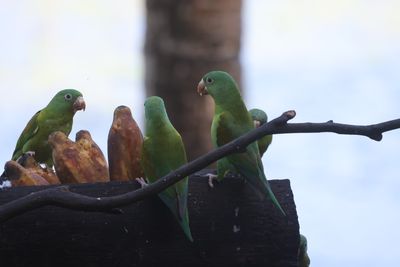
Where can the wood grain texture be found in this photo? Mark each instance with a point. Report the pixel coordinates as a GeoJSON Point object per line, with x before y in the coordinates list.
{"type": "Point", "coordinates": [230, 227]}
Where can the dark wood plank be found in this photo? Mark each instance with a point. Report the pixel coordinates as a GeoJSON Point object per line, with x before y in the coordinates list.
{"type": "Point", "coordinates": [230, 226]}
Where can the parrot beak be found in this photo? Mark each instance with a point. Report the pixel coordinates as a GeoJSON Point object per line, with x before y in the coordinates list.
{"type": "Point", "coordinates": [201, 88]}
{"type": "Point", "coordinates": [79, 104]}
{"type": "Point", "coordinates": [256, 124]}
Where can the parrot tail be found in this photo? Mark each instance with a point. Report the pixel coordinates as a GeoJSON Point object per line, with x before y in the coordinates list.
{"type": "Point", "coordinates": [261, 185]}
{"type": "Point", "coordinates": [183, 219]}
{"type": "Point", "coordinates": [271, 196]}
{"type": "Point", "coordinates": [185, 227]}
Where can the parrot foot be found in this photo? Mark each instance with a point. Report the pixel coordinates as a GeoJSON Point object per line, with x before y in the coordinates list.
{"type": "Point", "coordinates": [5, 184]}
{"type": "Point", "coordinates": [142, 182]}
{"type": "Point", "coordinates": [25, 155]}
{"type": "Point", "coordinates": [44, 166]}
{"type": "Point", "coordinates": [211, 178]}
{"type": "Point", "coordinates": [30, 153]}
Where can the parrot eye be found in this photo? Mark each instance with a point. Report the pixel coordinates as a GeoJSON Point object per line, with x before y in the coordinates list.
{"type": "Point", "coordinates": [209, 80]}
{"type": "Point", "coordinates": [68, 97]}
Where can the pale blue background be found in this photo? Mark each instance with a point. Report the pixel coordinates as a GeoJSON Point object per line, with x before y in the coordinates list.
{"type": "Point", "coordinates": [332, 59]}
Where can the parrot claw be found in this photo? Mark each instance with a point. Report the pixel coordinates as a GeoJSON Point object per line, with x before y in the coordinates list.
{"type": "Point", "coordinates": [5, 184]}
{"type": "Point", "coordinates": [30, 153]}
{"type": "Point", "coordinates": [211, 178]}
{"type": "Point", "coordinates": [25, 155]}
{"type": "Point", "coordinates": [142, 182]}
{"type": "Point", "coordinates": [44, 166]}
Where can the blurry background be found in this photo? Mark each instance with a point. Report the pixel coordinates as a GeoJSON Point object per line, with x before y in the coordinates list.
{"type": "Point", "coordinates": [332, 59]}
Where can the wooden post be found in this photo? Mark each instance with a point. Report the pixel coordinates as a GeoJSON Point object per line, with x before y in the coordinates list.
{"type": "Point", "coordinates": [230, 226]}
{"type": "Point", "coordinates": [184, 41]}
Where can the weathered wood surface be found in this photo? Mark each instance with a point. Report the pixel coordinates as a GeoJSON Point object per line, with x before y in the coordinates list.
{"type": "Point", "coordinates": [230, 226]}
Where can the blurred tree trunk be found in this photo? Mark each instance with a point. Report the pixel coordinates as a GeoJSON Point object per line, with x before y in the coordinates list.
{"type": "Point", "coordinates": [185, 40]}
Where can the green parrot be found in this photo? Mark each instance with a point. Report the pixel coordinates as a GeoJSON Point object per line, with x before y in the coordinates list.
{"type": "Point", "coordinates": [56, 116]}
{"type": "Point", "coordinates": [304, 260]}
{"type": "Point", "coordinates": [231, 120]}
{"type": "Point", "coordinates": [162, 152]}
{"type": "Point", "coordinates": [259, 118]}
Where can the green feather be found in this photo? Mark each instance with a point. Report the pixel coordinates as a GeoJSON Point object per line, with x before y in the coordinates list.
{"type": "Point", "coordinates": [163, 151]}
{"type": "Point", "coordinates": [261, 117]}
{"type": "Point", "coordinates": [231, 120]}
{"type": "Point", "coordinates": [223, 165]}
{"type": "Point", "coordinates": [304, 260]}
{"type": "Point", "coordinates": [56, 116]}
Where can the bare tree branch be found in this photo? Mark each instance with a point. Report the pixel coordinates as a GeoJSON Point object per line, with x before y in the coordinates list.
{"type": "Point", "coordinates": [373, 131]}
{"type": "Point", "coordinates": [61, 196]}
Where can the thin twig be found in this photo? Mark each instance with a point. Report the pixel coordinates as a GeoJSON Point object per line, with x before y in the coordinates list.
{"type": "Point", "coordinates": [62, 197]}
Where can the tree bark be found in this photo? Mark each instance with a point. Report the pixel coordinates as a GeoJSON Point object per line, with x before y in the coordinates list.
{"type": "Point", "coordinates": [185, 40]}
{"type": "Point", "coordinates": [230, 227]}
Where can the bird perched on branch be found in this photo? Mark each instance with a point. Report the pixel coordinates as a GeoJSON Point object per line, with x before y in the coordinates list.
{"type": "Point", "coordinates": [56, 116]}
{"type": "Point", "coordinates": [259, 118]}
{"type": "Point", "coordinates": [163, 152]}
{"type": "Point", "coordinates": [231, 120]}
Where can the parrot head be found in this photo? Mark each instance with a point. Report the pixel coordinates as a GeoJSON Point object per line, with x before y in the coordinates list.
{"type": "Point", "coordinates": [69, 100]}
{"type": "Point", "coordinates": [303, 245]}
{"type": "Point", "coordinates": [154, 107]}
{"type": "Point", "coordinates": [259, 117]}
{"type": "Point", "coordinates": [218, 84]}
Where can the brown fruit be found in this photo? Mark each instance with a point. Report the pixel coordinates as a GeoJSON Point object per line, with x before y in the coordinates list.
{"type": "Point", "coordinates": [28, 161]}
{"type": "Point", "coordinates": [19, 176]}
{"type": "Point", "coordinates": [96, 156]}
{"type": "Point", "coordinates": [78, 162]}
{"type": "Point", "coordinates": [124, 146]}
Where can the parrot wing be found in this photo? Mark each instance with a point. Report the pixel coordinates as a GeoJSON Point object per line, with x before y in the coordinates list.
{"type": "Point", "coordinates": [226, 132]}
{"type": "Point", "coordinates": [178, 193]}
{"type": "Point", "coordinates": [177, 159]}
{"type": "Point", "coordinates": [29, 131]}
{"type": "Point", "coordinates": [148, 165]}
{"type": "Point", "coordinates": [175, 196]}
{"type": "Point", "coordinates": [247, 163]}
